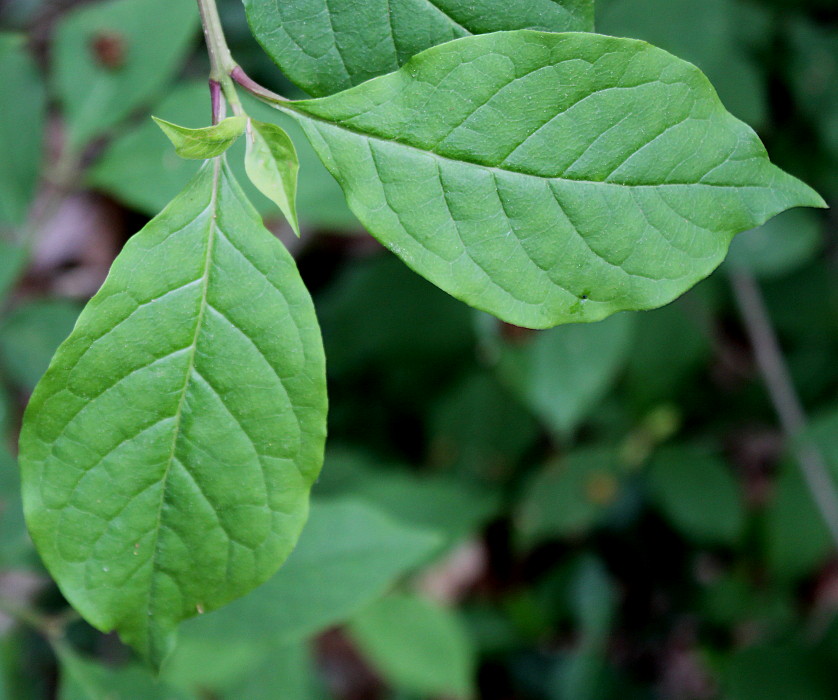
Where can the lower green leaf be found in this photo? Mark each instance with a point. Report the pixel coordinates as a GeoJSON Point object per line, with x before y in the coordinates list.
{"type": "Point", "coordinates": [168, 453]}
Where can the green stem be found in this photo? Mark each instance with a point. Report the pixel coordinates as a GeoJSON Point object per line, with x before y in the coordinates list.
{"type": "Point", "coordinates": [221, 60]}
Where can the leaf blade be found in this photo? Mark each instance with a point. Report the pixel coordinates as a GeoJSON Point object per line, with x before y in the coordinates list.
{"type": "Point", "coordinates": [168, 453]}
{"type": "Point", "coordinates": [206, 142]}
{"type": "Point", "coordinates": [329, 45]}
{"type": "Point", "coordinates": [273, 166]}
{"type": "Point", "coordinates": [532, 175]}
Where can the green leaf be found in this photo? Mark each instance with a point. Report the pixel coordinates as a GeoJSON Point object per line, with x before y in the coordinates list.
{"type": "Point", "coordinates": [348, 554]}
{"type": "Point", "coordinates": [416, 645]}
{"type": "Point", "coordinates": [272, 165]}
{"type": "Point", "coordinates": [22, 112]}
{"type": "Point", "coordinates": [111, 57]}
{"type": "Point", "coordinates": [451, 507]}
{"type": "Point", "coordinates": [562, 374]}
{"type": "Point", "coordinates": [329, 45]}
{"type": "Point", "coordinates": [30, 335]}
{"type": "Point", "coordinates": [287, 673]}
{"type": "Point", "coordinates": [168, 453]}
{"type": "Point", "coordinates": [141, 170]}
{"type": "Point", "coordinates": [549, 178]}
{"type": "Point", "coordinates": [85, 679]}
{"type": "Point", "coordinates": [697, 493]}
{"type": "Point", "coordinates": [569, 496]}
{"type": "Point", "coordinates": [204, 143]}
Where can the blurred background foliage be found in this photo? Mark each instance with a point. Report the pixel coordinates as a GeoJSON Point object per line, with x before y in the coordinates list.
{"type": "Point", "coordinates": [586, 513]}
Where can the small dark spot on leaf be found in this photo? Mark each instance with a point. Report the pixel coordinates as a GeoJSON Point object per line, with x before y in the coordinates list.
{"type": "Point", "coordinates": [109, 49]}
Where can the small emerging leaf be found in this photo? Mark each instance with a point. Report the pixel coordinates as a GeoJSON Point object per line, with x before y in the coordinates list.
{"type": "Point", "coordinates": [204, 143]}
{"type": "Point", "coordinates": [168, 453]}
{"type": "Point", "coordinates": [272, 165]}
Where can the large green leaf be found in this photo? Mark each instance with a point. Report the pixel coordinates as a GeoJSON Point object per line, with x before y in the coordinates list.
{"type": "Point", "coordinates": [549, 178]}
{"type": "Point", "coordinates": [168, 453]}
{"type": "Point", "coordinates": [329, 45]}
{"type": "Point", "coordinates": [111, 57]}
{"type": "Point", "coordinates": [22, 107]}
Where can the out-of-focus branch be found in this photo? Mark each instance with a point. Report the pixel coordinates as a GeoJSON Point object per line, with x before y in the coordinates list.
{"type": "Point", "coordinates": [775, 373]}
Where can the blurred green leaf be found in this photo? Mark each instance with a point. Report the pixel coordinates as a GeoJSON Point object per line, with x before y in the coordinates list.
{"type": "Point", "coordinates": [140, 169]}
{"type": "Point", "coordinates": [778, 247]}
{"type": "Point", "coordinates": [570, 495]}
{"type": "Point", "coordinates": [112, 57]}
{"type": "Point", "coordinates": [344, 541]}
{"type": "Point", "coordinates": [454, 509]}
{"type": "Point", "coordinates": [12, 261]}
{"type": "Point", "coordinates": [416, 645]}
{"type": "Point", "coordinates": [30, 335]}
{"type": "Point", "coordinates": [561, 374]}
{"type": "Point", "coordinates": [696, 491]}
{"type": "Point", "coordinates": [86, 679]}
{"type": "Point", "coordinates": [670, 344]}
{"type": "Point", "coordinates": [813, 73]}
{"type": "Point", "coordinates": [797, 540]}
{"type": "Point", "coordinates": [478, 429]}
{"type": "Point", "coordinates": [205, 142]}
{"type": "Point", "coordinates": [16, 550]}
{"type": "Point", "coordinates": [778, 671]}
{"type": "Point", "coordinates": [286, 674]}
{"type": "Point", "coordinates": [708, 34]}
{"type": "Point", "coordinates": [22, 113]}
{"type": "Point", "coordinates": [380, 313]}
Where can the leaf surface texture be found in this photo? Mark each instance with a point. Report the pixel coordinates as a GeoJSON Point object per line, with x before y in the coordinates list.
{"type": "Point", "coordinates": [329, 45]}
{"type": "Point", "coordinates": [168, 453]}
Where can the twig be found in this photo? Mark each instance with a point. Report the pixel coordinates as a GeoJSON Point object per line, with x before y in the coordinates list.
{"type": "Point", "coordinates": [784, 397]}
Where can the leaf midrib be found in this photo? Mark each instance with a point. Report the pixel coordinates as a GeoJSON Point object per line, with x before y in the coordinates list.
{"type": "Point", "coordinates": [295, 111]}
{"type": "Point", "coordinates": [190, 368]}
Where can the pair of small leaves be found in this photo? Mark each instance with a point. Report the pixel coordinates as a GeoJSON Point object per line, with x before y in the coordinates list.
{"type": "Point", "coordinates": [168, 453]}
{"type": "Point", "coordinates": [271, 160]}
